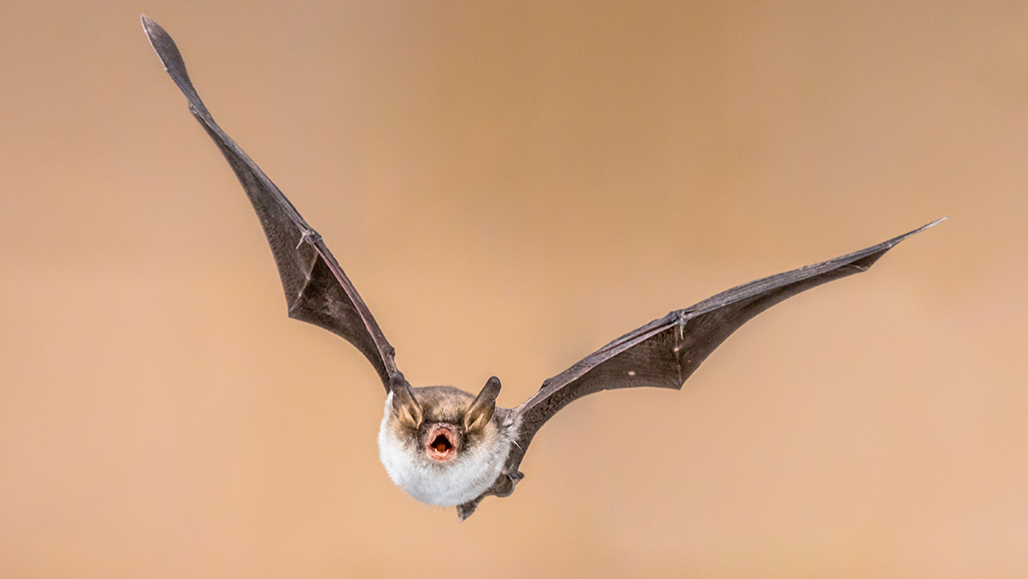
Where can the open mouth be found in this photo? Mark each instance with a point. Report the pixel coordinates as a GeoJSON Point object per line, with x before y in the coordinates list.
{"type": "Point", "coordinates": [441, 442]}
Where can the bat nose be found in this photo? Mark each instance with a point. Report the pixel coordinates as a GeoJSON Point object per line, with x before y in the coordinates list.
{"type": "Point", "coordinates": [442, 442]}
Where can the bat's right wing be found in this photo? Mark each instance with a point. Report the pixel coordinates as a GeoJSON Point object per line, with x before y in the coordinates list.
{"type": "Point", "coordinates": [317, 291]}
{"type": "Point", "coordinates": [665, 352]}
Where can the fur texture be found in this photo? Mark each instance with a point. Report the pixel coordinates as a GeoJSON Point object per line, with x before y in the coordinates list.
{"type": "Point", "coordinates": [466, 477]}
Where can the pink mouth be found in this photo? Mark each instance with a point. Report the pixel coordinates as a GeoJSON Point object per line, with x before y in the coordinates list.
{"type": "Point", "coordinates": [441, 442]}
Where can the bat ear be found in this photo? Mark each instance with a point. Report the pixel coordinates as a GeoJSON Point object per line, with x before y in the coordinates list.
{"type": "Point", "coordinates": [481, 410]}
{"type": "Point", "coordinates": [405, 405]}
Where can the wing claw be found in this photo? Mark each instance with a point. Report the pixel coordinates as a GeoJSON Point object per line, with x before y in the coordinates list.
{"type": "Point", "coordinates": [310, 236]}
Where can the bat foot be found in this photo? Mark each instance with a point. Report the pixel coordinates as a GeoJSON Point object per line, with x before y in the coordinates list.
{"type": "Point", "coordinates": [503, 487]}
{"type": "Point", "coordinates": [465, 510]}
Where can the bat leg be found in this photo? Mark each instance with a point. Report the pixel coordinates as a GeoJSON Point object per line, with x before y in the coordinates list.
{"type": "Point", "coordinates": [464, 510]}
{"type": "Point", "coordinates": [505, 483]}
{"type": "Point", "coordinates": [503, 487]}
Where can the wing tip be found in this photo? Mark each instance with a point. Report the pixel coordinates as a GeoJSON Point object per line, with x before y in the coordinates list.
{"type": "Point", "coordinates": [863, 260]}
{"type": "Point", "coordinates": [171, 58]}
{"type": "Point", "coordinates": [154, 33]}
{"type": "Point", "coordinates": [927, 225]}
{"type": "Point", "coordinates": [932, 224]}
{"type": "Point", "coordinates": [892, 242]}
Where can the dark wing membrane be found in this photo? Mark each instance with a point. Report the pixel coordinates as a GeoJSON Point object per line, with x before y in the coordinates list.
{"type": "Point", "coordinates": [317, 291]}
{"type": "Point", "coordinates": [665, 352]}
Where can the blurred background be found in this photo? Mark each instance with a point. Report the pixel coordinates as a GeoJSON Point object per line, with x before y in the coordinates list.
{"type": "Point", "coordinates": [511, 185]}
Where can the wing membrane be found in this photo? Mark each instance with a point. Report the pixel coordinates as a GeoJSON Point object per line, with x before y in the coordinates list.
{"type": "Point", "coordinates": [317, 290]}
{"type": "Point", "coordinates": [665, 352]}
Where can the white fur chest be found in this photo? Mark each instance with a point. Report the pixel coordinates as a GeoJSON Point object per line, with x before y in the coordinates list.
{"type": "Point", "coordinates": [446, 485]}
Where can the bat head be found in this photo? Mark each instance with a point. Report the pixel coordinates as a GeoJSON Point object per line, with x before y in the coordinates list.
{"type": "Point", "coordinates": [441, 444]}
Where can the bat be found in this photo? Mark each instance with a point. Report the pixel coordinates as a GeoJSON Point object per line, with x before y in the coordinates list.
{"type": "Point", "coordinates": [440, 444]}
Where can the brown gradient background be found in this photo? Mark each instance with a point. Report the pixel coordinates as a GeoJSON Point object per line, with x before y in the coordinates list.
{"type": "Point", "coordinates": [511, 185]}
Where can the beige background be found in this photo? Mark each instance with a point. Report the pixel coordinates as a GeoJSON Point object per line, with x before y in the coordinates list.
{"type": "Point", "coordinates": [511, 185]}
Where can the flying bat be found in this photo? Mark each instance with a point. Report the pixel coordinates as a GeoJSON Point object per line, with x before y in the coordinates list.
{"type": "Point", "coordinates": [440, 444]}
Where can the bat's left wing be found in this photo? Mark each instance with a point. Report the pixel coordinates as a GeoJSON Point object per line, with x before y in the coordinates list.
{"type": "Point", "coordinates": [665, 352]}
{"type": "Point", "coordinates": [317, 290]}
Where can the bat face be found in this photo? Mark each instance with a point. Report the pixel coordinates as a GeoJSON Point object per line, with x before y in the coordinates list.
{"type": "Point", "coordinates": [454, 452]}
